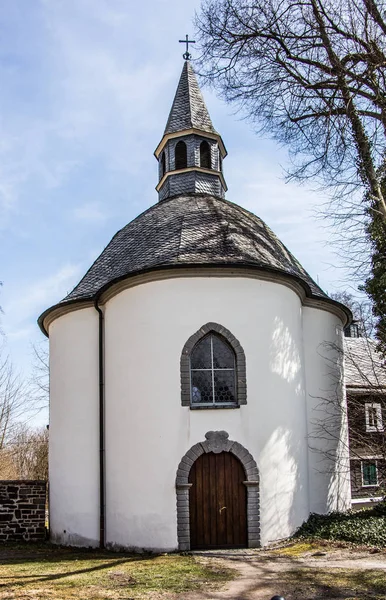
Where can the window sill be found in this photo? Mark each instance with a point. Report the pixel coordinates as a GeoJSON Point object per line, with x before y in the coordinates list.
{"type": "Point", "coordinates": [373, 485]}
{"type": "Point", "coordinates": [215, 407]}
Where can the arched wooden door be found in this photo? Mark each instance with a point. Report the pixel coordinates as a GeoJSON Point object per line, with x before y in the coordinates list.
{"type": "Point", "coordinates": [217, 502]}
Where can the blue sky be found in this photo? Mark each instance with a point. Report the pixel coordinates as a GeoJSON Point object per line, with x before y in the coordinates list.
{"type": "Point", "coordinates": [86, 90]}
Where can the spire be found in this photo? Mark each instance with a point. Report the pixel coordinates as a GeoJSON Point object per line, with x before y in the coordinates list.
{"type": "Point", "coordinates": [191, 151]}
{"type": "Point", "coordinates": [188, 110]}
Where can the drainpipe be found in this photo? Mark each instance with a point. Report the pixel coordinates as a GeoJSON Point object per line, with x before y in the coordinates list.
{"type": "Point", "coordinates": [102, 500]}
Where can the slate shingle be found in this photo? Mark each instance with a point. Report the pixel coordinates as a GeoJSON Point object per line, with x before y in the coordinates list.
{"type": "Point", "coordinates": [196, 230]}
{"type": "Point", "coordinates": [188, 109]}
{"type": "Point", "coordinates": [364, 366]}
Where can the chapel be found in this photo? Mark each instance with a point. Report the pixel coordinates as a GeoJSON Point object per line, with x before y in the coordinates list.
{"type": "Point", "coordinates": [187, 368]}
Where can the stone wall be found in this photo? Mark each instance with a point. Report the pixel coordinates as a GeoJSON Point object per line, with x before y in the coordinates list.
{"type": "Point", "coordinates": [22, 510]}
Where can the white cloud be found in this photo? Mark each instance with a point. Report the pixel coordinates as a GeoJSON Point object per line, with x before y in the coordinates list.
{"type": "Point", "coordinates": [27, 302]}
{"type": "Point", "coordinates": [90, 212]}
{"type": "Point", "coordinates": [21, 334]}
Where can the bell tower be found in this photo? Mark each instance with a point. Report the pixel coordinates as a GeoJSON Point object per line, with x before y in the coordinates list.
{"type": "Point", "coordinates": [191, 151]}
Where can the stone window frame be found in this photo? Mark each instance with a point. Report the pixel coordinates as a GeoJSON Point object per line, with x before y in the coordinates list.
{"type": "Point", "coordinates": [217, 441]}
{"type": "Point", "coordinates": [241, 376]}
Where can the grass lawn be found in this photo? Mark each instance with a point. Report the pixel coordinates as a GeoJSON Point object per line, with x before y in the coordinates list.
{"type": "Point", "coordinates": [303, 582]}
{"type": "Point", "coordinates": [44, 572]}
{"type": "Point", "coordinates": [350, 584]}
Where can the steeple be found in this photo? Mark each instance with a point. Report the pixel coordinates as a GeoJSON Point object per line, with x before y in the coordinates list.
{"type": "Point", "coordinates": [191, 151]}
{"type": "Point", "coordinates": [188, 110]}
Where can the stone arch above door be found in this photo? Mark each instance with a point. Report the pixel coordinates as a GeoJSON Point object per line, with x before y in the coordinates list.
{"type": "Point", "coordinates": [218, 441]}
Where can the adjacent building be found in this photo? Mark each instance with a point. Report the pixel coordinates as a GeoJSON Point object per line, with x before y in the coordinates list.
{"type": "Point", "coordinates": [366, 404]}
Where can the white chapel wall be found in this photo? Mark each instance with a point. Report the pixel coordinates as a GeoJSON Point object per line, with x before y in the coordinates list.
{"type": "Point", "coordinates": [147, 429]}
{"type": "Point", "coordinates": [74, 437]}
{"type": "Point", "coordinates": [329, 467]}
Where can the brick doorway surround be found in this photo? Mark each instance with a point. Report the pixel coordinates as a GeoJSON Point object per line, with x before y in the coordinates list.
{"type": "Point", "coordinates": [217, 441]}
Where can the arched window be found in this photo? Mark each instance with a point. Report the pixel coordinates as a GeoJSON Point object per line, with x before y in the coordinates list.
{"type": "Point", "coordinates": [213, 372]}
{"type": "Point", "coordinates": [180, 155]}
{"type": "Point", "coordinates": [213, 369]}
{"type": "Point", "coordinates": [163, 164]}
{"type": "Point", "coordinates": [205, 160]}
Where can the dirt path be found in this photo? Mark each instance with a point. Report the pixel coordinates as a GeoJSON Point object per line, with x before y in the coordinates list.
{"type": "Point", "coordinates": [261, 574]}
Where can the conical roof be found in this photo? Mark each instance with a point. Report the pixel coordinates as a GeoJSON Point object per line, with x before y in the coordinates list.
{"type": "Point", "coordinates": [191, 230]}
{"type": "Point", "coordinates": [188, 110]}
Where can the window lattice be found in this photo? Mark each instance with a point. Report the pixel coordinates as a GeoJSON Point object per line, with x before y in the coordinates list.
{"type": "Point", "coordinates": [213, 372]}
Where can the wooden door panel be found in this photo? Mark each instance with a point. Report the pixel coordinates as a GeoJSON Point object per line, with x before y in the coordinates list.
{"type": "Point", "coordinates": [217, 502]}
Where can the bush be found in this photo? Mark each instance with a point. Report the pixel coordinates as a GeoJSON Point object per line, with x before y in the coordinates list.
{"type": "Point", "coordinates": [367, 526]}
{"type": "Point", "coordinates": [379, 509]}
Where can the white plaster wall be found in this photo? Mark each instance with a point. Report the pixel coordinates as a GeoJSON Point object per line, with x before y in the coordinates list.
{"type": "Point", "coordinates": [74, 438]}
{"type": "Point", "coordinates": [147, 429]}
{"type": "Point", "coordinates": [329, 466]}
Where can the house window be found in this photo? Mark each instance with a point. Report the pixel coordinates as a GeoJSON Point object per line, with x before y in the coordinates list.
{"type": "Point", "coordinates": [205, 160]}
{"type": "Point", "coordinates": [373, 416]}
{"type": "Point", "coordinates": [213, 372]}
{"type": "Point", "coordinates": [180, 155]}
{"type": "Point", "coordinates": [163, 164]}
{"type": "Point", "coordinates": [352, 330]}
{"type": "Point", "coordinates": [369, 473]}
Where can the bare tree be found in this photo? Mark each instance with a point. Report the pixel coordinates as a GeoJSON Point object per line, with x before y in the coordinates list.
{"type": "Point", "coordinates": [18, 406]}
{"type": "Point", "coordinates": [40, 374]}
{"type": "Point", "coordinates": [15, 401]}
{"type": "Point", "coordinates": [361, 310]}
{"type": "Point", "coordinates": [27, 452]}
{"type": "Point", "coordinates": [312, 74]}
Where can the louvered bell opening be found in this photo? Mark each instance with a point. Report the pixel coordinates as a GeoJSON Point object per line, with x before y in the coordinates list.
{"type": "Point", "coordinates": [205, 159]}
{"type": "Point", "coordinates": [181, 158]}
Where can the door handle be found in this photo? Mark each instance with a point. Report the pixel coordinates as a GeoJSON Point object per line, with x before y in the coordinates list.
{"type": "Point", "coordinates": [222, 508]}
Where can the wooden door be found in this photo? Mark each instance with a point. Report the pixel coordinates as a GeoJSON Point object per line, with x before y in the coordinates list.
{"type": "Point", "coordinates": [217, 502]}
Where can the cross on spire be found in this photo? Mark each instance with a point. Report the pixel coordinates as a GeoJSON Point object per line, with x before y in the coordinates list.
{"type": "Point", "coordinates": [187, 41]}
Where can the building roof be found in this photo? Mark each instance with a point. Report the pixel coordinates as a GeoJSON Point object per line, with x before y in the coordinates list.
{"type": "Point", "coordinates": [188, 109]}
{"type": "Point", "coordinates": [191, 231]}
{"type": "Point", "coordinates": [364, 367]}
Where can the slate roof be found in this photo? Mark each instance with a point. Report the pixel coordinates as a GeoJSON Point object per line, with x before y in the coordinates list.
{"type": "Point", "coordinates": [188, 109]}
{"type": "Point", "coordinates": [193, 230]}
{"type": "Point", "coordinates": [364, 366]}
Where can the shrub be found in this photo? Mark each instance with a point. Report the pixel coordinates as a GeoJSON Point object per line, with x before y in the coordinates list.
{"type": "Point", "coordinates": [367, 526]}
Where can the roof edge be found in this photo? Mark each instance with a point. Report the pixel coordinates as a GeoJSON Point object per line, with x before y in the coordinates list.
{"type": "Point", "coordinates": [114, 287]}
{"type": "Point", "coordinates": [365, 390]}
{"type": "Point", "coordinates": [212, 172]}
{"type": "Point", "coordinates": [191, 131]}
